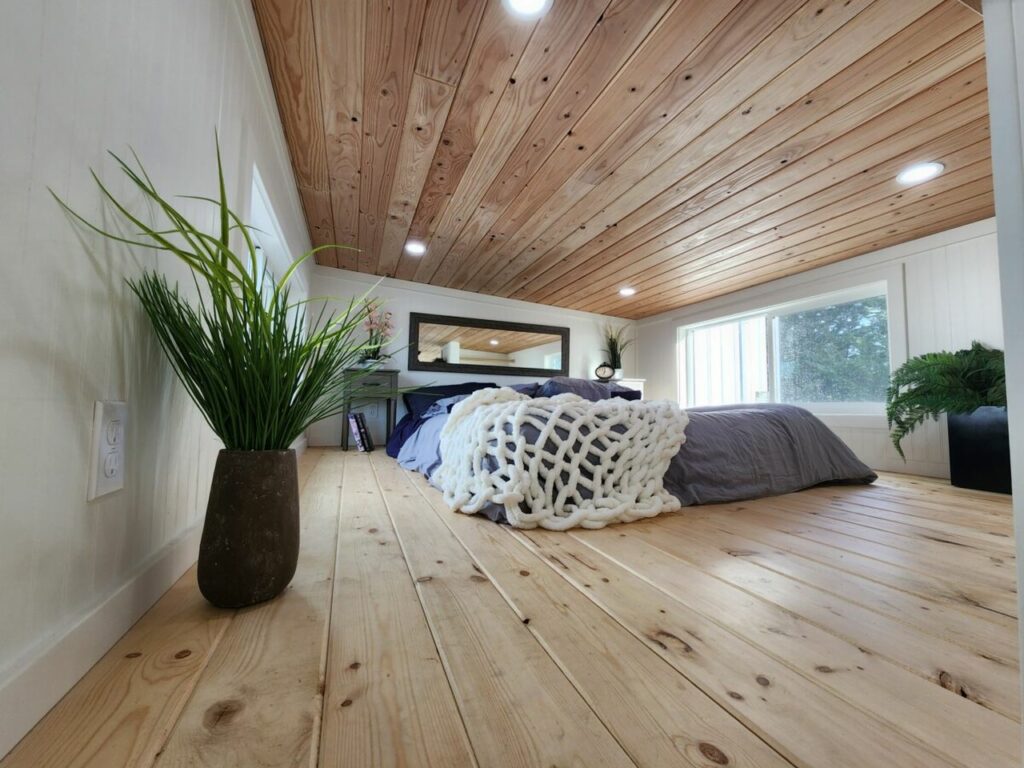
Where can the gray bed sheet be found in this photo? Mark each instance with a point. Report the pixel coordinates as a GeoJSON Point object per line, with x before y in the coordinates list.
{"type": "Point", "coordinates": [731, 453]}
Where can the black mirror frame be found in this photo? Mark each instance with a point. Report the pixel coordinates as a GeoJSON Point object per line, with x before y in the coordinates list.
{"type": "Point", "coordinates": [418, 318]}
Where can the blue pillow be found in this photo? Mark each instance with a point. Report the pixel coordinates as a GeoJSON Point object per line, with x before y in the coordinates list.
{"type": "Point", "coordinates": [529, 388]}
{"type": "Point", "coordinates": [588, 390]}
{"type": "Point", "coordinates": [420, 400]}
{"type": "Point", "coordinates": [444, 405]}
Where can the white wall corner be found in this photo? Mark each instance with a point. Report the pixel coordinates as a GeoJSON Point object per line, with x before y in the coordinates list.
{"type": "Point", "coordinates": [1004, 54]}
{"type": "Point", "coordinates": [36, 682]}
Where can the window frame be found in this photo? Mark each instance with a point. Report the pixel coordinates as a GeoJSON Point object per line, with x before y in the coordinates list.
{"type": "Point", "coordinates": [890, 283]}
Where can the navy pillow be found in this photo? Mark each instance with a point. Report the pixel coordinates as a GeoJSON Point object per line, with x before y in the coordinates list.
{"type": "Point", "coordinates": [625, 393]}
{"type": "Point", "coordinates": [403, 431]}
{"type": "Point", "coordinates": [588, 390]}
{"type": "Point", "coordinates": [421, 399]}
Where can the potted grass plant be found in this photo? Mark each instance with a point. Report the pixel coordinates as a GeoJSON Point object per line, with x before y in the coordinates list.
{"type": "Point", "coordinates": [259, 367]}
{"type": "Point", "coordinates": [615, 343]}
{"type": "Point", "coordinates": [969, 386]}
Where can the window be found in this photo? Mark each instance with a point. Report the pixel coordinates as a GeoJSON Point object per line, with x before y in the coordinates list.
{"type": "Point", "coordinates": [838, 353]}
{"type": "Point", "coordinates": [730, 362]}
{"type": "Point", "coordinates": [830, 353]}
{"type": "Point", "coordinates": [272, 258]}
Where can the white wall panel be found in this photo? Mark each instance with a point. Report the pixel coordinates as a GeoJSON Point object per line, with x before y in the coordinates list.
{"type": "Point", "coordinates": [79, 78]}
{"type": "Point", "coordinates": [1004, 54]}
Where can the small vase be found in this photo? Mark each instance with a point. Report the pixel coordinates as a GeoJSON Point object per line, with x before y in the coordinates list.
{"type": "Point", "coordinates": [618, 374]}
{"type": "Point", "coordinates": [250, 544]}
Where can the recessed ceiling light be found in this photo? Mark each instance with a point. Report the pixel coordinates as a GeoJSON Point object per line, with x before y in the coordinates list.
{"type": "Point", "coordinates": [528, 9]}
{"type": "Point", "coordinates": [415, 248]}
{"type": "Point", "coordinates": [627, 292]}
{"type": "Point", "coordinates": [915, 174]}
{"type": "Point", "coordinates": [494, 342]}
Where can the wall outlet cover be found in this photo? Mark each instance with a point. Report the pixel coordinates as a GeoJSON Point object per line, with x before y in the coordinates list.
{"type": "Point", "coordinates": [106, 465]}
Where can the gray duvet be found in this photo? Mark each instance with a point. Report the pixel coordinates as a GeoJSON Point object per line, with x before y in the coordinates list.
{"type": "Point", "coordinates": [731, 453]}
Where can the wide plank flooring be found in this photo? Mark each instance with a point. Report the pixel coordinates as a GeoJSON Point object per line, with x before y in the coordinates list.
{"type": "Point", "coordinates": [838, 627]}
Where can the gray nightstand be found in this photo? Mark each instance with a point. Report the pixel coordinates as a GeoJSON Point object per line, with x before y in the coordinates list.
{"type": "Point", "coordinates": [386, 384]}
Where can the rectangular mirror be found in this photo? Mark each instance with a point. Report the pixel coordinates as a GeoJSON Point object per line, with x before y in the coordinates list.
{"type": "Point", "coordinates": [472, 345]}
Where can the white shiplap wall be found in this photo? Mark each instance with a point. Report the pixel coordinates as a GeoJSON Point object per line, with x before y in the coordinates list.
{"type": "Point", "coordinates": [946, 287]}
{"type": "Point", "coordinates": [79, 78]}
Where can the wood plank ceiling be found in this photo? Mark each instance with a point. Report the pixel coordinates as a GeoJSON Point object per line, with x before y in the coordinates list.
{"type": "Point", "coordinates": [683, 148]}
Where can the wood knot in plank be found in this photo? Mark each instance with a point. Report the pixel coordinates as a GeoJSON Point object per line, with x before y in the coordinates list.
{"type": "Point", "coordinates": [685, 646]}
{"type": "Point", "coordinates": [713, 753]}
{"type": "Point", "coordinates": [950, 683]}
{"type": "Point", "coordinates": [222, 713]}
{"type": "Point", "coordinates": [183, 654]}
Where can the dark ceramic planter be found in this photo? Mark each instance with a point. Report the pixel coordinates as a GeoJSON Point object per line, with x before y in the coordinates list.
{"type": "Point", "coordinates": [979, 450]}
{"type": "Point", "coordinates": [250, 543]}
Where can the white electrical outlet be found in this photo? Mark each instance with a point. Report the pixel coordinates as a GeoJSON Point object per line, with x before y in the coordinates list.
{"type": "Point", "coordinates": [106, 473]}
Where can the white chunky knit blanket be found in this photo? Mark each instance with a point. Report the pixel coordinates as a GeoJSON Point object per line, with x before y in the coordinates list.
{"type": "Point", "coordinates": [559, 462]}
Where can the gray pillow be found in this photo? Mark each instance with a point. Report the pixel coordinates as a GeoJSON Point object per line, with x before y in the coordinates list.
{"type": "Point", "coordinates": [588, 390]}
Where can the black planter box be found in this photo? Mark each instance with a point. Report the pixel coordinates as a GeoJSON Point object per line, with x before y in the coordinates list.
{"type": "Point", "coordinates": [979, 450]}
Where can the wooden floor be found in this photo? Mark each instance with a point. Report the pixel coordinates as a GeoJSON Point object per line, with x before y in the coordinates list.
{"type": "Point", "coordinates": [861, 627]}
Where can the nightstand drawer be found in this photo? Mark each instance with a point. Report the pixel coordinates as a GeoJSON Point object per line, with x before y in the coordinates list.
{"type": "Point", "coordinates": [385, 382]}
{"type": "Point", "coordinates": [376, 381]}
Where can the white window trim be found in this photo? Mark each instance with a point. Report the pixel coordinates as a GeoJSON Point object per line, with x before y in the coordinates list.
{"type": "Point", "coordinates": [888, 280]}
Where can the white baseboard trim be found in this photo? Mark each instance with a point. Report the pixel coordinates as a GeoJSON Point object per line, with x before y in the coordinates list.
{"type": "Point", "coordinates": [936, 469]}
{"type": "Point", "coordinates": [301, 444]}
{"type": "Point", "coordinates": [46, 673]}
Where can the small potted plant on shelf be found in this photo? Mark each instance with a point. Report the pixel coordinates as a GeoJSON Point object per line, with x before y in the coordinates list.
{"type": "Point", "coordinates": [259, 368]}
{"type": "Point", "coordinates": [615, 343]}
{"type": "Point", "coordinates": [969, 386]}
{"type": "Point", "coordinates": [379, 328]}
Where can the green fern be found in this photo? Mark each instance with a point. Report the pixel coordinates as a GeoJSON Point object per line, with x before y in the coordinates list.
{"type": "Point", "coordinates": [943, 382]}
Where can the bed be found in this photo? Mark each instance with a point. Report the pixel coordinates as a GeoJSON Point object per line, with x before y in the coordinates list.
{"type": "Point", "coordinates": [730, 453]}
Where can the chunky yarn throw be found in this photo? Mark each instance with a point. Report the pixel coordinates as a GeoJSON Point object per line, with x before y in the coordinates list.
{"type": "Point", "coordinates": [559, 462]}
